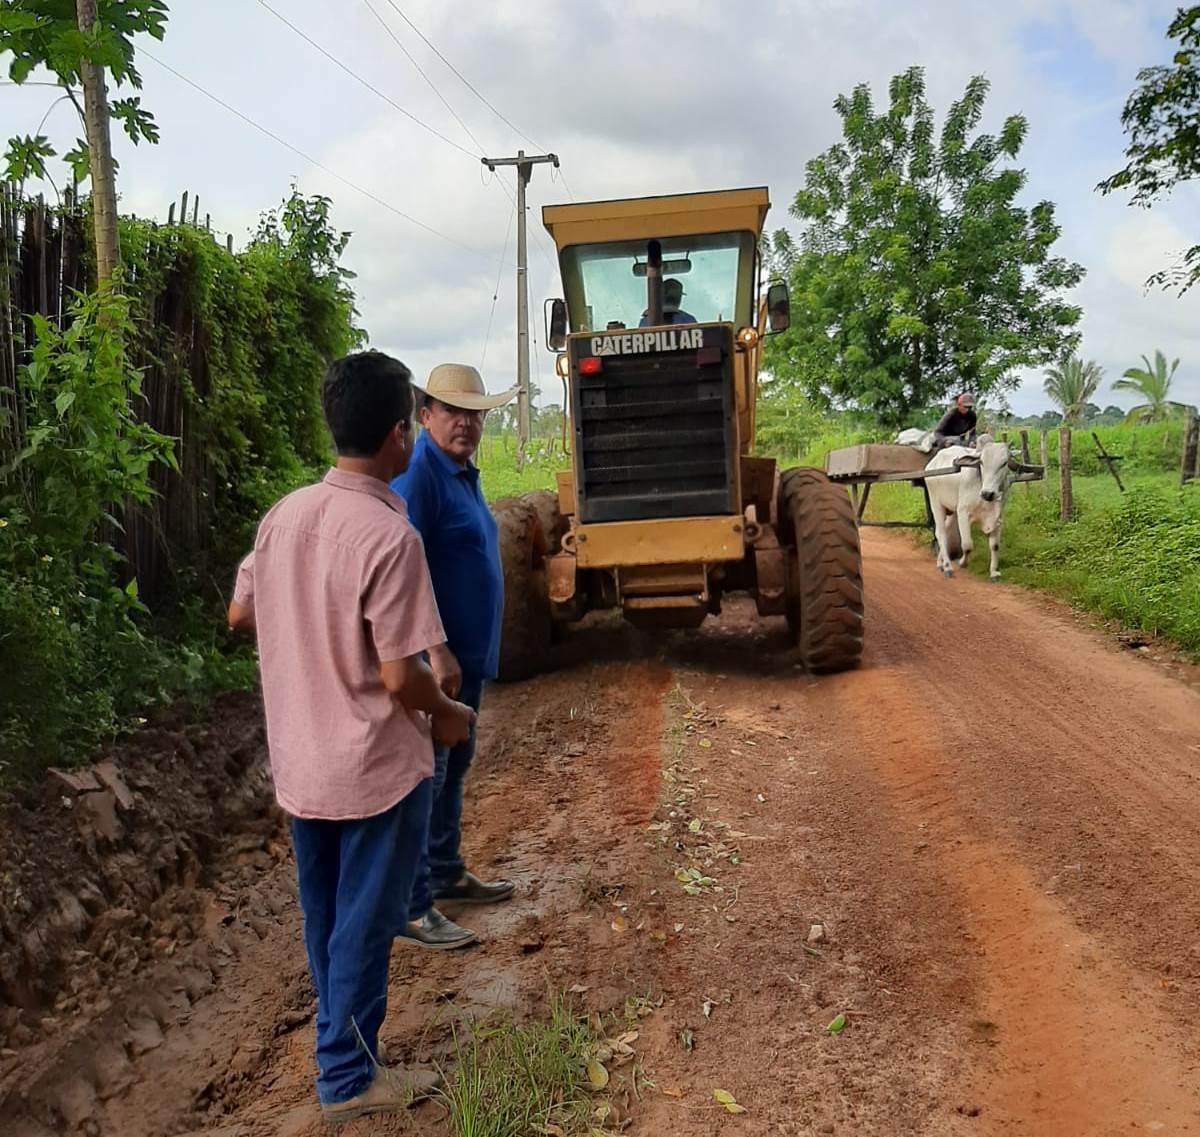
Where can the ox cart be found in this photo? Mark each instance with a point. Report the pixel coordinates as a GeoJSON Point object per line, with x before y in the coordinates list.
{"type": "Point", "coordinates": [871, 463]}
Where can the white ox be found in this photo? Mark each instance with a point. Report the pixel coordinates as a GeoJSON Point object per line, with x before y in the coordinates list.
{"type": "Point", "coordinates": [975, 493]}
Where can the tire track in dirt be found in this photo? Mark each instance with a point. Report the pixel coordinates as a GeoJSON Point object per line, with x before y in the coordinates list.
{"type": "Point", "coordinates": [1016, 761]}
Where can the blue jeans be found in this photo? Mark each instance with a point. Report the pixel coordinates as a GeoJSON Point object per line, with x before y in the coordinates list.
{"type": "Point", "coordinates": [441, 864]}
{"type": "Point", "coordinates": [353, 909]}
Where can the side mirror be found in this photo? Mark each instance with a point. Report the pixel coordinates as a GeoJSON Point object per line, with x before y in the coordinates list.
{"type": "Point", "coordinates": [779, 311]}
{"type": "Point", "coordinates": [556, 324]}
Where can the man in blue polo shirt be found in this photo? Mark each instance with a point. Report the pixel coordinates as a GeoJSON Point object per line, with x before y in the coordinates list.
{"type": "Point", "coordinates": [445, 503]}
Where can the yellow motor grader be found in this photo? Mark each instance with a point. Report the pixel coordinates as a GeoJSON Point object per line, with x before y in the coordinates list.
{"type": "Point", "coordinates": [665, 509]}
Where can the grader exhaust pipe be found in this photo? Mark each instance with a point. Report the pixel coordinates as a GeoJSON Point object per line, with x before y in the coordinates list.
{"type": "Point", "coordinates": [654, 283]}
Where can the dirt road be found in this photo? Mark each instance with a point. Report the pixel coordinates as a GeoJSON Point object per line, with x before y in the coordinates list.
{"type": "Point", "coordinates": [995, 824]}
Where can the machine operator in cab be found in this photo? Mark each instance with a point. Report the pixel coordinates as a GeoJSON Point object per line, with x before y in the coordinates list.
{"type": "Point", "coordinates": [672, 298]}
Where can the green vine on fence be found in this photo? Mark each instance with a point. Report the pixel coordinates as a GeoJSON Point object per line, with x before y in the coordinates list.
{"type": "Point", "coordinates": [155, 429]}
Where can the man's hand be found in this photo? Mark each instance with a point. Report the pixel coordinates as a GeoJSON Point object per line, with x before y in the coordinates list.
{"type": "Point", "coordinates": [446, 670]}
{"type": "Point", "coordinates": [453, 725]}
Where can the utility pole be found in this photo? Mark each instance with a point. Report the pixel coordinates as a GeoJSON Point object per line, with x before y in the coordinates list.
{"type": "Point", "coordinates": [96, 119]}
{"type": "Point", "coordinates": [524, 164]}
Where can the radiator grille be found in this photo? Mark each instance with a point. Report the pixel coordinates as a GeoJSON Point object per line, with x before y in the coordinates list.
{"type": "Point", "coordinates": [654, 433]}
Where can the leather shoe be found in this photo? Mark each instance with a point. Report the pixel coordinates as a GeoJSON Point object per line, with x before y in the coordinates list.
{"type": "Point", "coordinates": [469, 889]}
{"type": "Point", "coordinates": [433, 930]}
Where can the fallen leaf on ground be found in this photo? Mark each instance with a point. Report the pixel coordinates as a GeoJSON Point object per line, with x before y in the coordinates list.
{"type": "Point", "coordinates": [678, 928]}
{"type": "Point", "coordinates": [687, 1039]}
{"type": "Point", "coordinates": [597, 1075]}
{"type": "Point", "coordinates": [837, 1026]}
{"type": "Point", "coordinates": [695, 825]}
{"type": "Point", "coordinates": [706, 743]}
{"type": "Point", "coordinates": [725, 1099]}
{"type": "Point", "coordinates": [672, 1091]}
{"type": "Point", "coordinates": [578, 988]}
{"type": "Point", "coordinates": [708, 1006]}
{"type": "Point", "coordinates": [620, 924]}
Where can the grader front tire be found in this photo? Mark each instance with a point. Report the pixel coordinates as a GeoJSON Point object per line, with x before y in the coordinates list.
{"type": "Point", "coordinates": [825, 586]}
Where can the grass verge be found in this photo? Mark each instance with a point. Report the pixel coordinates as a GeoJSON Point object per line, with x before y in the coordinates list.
{"type": "Point", "coordinates": [512, 1080]}
{"type": "Point", "coordinates": [1132, 557]}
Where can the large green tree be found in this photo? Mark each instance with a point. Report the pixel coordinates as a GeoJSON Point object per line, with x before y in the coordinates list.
{"type": "Point", "coordinates": [916, 272]}
{"type": "Point", "coordinates": [1162, 120]}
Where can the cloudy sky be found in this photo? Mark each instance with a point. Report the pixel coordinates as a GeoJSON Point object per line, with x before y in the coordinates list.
{"type": "Point", "coordinates": [635, 98]}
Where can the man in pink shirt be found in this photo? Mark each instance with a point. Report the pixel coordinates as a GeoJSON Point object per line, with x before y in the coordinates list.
{"type": "Point", "coordinates": [338, 592]}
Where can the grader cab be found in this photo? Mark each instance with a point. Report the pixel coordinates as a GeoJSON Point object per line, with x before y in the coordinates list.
{"type": "Point", "coordinates": [665, 509]}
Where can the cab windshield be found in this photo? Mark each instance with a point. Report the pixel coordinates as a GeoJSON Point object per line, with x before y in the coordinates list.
{"type": "Point", "coordinates": [606, 283]}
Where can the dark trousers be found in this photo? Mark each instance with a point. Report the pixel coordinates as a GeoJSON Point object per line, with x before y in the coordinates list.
{"type": "Point", "coordinates": [442, 863]}
{"type": "Point", "coordinates": [355, 880]}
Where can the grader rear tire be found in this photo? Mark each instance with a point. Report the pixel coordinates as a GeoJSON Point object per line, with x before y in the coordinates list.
{"type": "Point", "coordinates": [525, 625]}
{"type": "Point", "coordinates": [825, 586]}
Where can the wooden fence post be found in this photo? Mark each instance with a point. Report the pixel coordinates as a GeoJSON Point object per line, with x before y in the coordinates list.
{"type": "Point", "coordinates": [1191, 445]}
{"type": "Point", "coordinates": [1025, 457]}
{"type": "Point", "coordinates": [1066, 499]}
{"type": "Point", "coordinates": [1045, 448]}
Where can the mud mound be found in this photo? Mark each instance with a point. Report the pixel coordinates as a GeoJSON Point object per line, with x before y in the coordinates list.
{"type": "Point", "coordinates": [101, 867]}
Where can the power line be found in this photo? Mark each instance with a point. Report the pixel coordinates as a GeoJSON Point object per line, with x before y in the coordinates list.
{"type": "Point", "coordinates": [462, 78]}
{"type": "Point", "coordinates": [39, 83]}
{"type": "Point", "coordinates": [562, 178]}
{"type": "Point", "coordinates": [433, 86]}
{"type": "Point", "coordinates": [496, 291]}
{"type": "Point", "coordinates": [369, 86]}
{"type": "Point", "coordinates": [307, 157]}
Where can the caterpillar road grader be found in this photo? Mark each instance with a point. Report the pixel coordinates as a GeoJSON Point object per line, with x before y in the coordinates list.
{"type": "Point", "coordinates": [666, 509]}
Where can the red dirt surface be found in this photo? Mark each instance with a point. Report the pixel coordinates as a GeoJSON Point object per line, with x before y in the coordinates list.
{"type": "Point", "coordinates": [995, 822]}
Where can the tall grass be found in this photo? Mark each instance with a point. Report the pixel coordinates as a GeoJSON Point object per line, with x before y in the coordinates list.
{"type": "Point", "coordinates": [1133, 557]}
{"type": "Point", "coordinates": [498, 473]}
{"type": "Point", "coordinates": [514, 1080]}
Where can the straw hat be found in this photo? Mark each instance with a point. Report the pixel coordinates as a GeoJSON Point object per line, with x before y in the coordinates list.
{"type": "Point", "coordinates": [458, 385]}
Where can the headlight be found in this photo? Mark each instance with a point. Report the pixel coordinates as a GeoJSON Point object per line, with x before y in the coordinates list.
{"type": "Point", "coordinates": [747, 337]}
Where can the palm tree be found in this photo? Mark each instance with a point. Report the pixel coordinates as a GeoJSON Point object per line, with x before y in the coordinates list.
{"type": "Point", "coordinates": [1072, 385]}
{"type": "Point", "coordinates": [1153, 384]}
